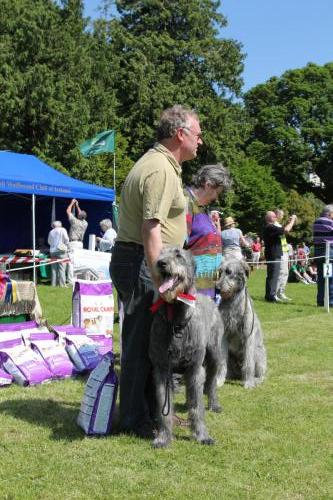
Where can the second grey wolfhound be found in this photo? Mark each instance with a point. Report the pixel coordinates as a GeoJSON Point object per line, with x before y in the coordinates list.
{"type": "Point", "coordinates": [185, 336]}
{"type": "Point", "coordinates": [243, 338]}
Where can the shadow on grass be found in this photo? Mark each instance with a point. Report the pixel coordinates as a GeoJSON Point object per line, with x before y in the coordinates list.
{"type": "Point", "coordinates": [58, 416]}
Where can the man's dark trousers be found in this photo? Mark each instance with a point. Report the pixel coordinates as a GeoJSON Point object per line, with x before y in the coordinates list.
{"type": "Point", "coordinates": [273, 271]}
{"type": "Point", "coordinates": [132, 279]}
{"type": "Point", "coordinates": [320, 252]}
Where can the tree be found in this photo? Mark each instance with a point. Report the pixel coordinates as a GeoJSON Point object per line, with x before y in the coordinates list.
{"type": "Point", "coordinates": [170, 53]}
{"type": "Point", "coordinates": [293, 127]}
{"type": "Point", "coordinates": [307, 208]}
{"type": "Point", "coordinates": [56, 85]}
{"type": "Point", "coordinates": [254, 192]}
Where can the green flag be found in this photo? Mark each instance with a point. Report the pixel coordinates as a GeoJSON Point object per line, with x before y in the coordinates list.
{"type": "Point", "coordinates": [101, 143]}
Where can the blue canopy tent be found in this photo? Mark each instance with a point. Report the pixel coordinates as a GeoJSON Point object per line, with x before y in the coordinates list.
{"type": "Point", "coordinates": [27, 182]}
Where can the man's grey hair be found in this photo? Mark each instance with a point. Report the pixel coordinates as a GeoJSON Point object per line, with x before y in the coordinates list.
{"type": "Point", "coordinates": [56, 223]}
{"type": "Point", "coordinates": [327, 210]}
{"type": "Point", "coordinates": [216, 175]}
{"type": "Point", "coordinates": [82, 215]}
{"type": "Point", "coordinates": [172, 119]}
{"type": "Point", "coordinates": [106, 223]}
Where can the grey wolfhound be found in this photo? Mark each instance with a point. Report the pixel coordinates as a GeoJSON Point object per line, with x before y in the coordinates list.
{"type": "Point", "coordinates": [243, 339]}
{"type": "Point", "coordinates": [186, 338]}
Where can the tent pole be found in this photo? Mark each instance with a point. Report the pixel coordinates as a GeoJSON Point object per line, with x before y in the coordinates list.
{"type": "Point", "coordinates": [34, 236]}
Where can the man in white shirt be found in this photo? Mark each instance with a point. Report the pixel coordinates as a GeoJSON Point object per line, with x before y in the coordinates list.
{"type": "Point", "coordinates": [58, 241]}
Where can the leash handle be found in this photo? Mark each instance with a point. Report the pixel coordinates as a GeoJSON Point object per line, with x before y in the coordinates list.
{"type": "Point", "coordinates": [166, 405]}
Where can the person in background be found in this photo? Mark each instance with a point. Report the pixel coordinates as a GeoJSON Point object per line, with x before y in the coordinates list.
{"type": "Point", "coordinates": [273, 252]}
{"type": "Point", "coordinates": [151, 215]}
{"type": "Point", "coordinates": [215, 216]}
{"type": "Point", "coordinates": [297, 273]}
{"type": "Point", "coordinates": [306, 250]}
{"type": "Point", "coordinates": [322, 233]}
{"type": "Point", "coordinates": [290, 255]}
{"type": "Point", "coordinates": [78, 224]}
{"type": "Point", "coordinates": [59, 242]}
{"type": "Point", "coordinates": [203, 235]}
{"type": "Point", "coordinates": [284, 266]}
{"type": "Point", "coordinates": [232, 239]}
{"type": "Point", "coordinates": [312, 271]}
{"type": "Point", "coordinates": [256, 251]}
{"type": "Point", "coordinates": [106, 242]}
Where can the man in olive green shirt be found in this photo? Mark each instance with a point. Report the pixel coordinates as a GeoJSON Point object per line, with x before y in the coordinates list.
{"type": "Point", "coordinates": [151, 214]}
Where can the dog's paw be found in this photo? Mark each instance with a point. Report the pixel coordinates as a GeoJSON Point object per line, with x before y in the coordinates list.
{"type": "Point", "coordinates": [216, 408]}
{"type": "Point", "coordinates": [220, 381]}
{"type": "Point", "coordinates": [207, 441]}
{"type": "Point", "coordinates": [250, 384]}
{"type": "Point", "coordinates": [161, 442]}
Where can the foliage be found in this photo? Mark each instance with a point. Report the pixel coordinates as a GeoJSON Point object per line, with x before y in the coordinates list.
{"type": "Point", "coordinates": [173, 55]}
{"type": "Point", "coordinates": [63, 80]}
{"type": "Point", "coordinates": [52, 98]}
{"type": "Point", "coordinates": [271, 441]}
{"type": "Point", "coordinates": [293, 127]}
{"type": "Point", "coordinates": [307, 208]}
{"type": "Point", "coordinates": [254, 192]}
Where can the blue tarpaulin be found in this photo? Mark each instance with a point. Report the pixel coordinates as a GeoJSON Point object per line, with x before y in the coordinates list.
{"type": "Point", "coordinates": [21, 173]}
{"type": "Point", "coordinates": [23, 177]}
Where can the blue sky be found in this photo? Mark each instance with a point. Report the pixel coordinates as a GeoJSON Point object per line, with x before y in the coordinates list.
{"type": "Point", "coordinates": [277, 35]}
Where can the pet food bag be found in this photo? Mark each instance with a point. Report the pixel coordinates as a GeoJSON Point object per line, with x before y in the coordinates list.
{"type": "Point", "coordinates": [82, 350]}
{"type": "Point", "coordinates": [5, 378]}
{"type": "Point", "coordinates": [20, 361]}
{"type": "Point", "coordinates": [53, 352]}
{"type": "Point", "coordinates": [103, 342]}
{"type": "Point", "coordinates": [25, 326]}
{"type": "Point", "coordinates": [93, 306]}
{"type": "Point", "coordinates": [97, 407]}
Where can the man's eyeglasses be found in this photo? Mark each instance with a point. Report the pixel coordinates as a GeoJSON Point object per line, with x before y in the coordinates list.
{"type": "Point", "coordinates": [198, 136]}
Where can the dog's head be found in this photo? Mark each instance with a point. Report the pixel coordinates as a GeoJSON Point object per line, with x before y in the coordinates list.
{"type": "Point", "coordinates": [175, 269]}
{"type": "Point", "coordinates": [233, 274]}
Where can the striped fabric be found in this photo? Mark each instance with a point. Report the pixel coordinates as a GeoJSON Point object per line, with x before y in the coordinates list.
{"type": "Point", "coordinates": [323, 231]}
{"type": "Point", "coordinates": [205, 244]}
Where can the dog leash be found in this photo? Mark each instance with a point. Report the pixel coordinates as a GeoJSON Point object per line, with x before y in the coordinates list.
{"type": "Point", "coordinates": [174, 330]}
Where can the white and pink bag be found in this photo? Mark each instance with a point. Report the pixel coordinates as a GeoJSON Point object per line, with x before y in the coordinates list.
{"type": "Point", "coordinates": [93, 307]}
{"type": "Point", "coordinates": [19, 360]}
{"type": "Point", "coordinates": [99, 399]}
{"type": "Point", "coordinates": [5, 378]}
{"type": "Point", "coordinates": [82, 350]}
{"type": "Point", "coordinates": [53, 352]}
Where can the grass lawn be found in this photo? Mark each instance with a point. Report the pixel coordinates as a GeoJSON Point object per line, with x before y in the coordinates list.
{"type": "Point", "coordinates": [273, 442]}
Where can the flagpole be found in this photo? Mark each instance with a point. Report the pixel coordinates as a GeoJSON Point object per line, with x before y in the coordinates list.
{"type": "Point", "coordinates": [114, 175]}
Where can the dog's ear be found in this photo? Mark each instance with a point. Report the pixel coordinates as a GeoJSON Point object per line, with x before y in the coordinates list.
{"type": "Point", "coordinates": [246, 268]}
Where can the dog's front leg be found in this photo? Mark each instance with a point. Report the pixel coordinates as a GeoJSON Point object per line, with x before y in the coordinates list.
{"type": "Point", "coordinates": [164, 405]}
{"type": "Point", "coordinates": [248, 368]}
{"type": "Point", "coordinates": [223, 366]}
{"type": "Point", "coordinates": [195, 378]}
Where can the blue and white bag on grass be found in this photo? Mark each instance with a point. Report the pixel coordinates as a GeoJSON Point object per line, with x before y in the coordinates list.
{"type": "Point", "coordinates": [99, 400]}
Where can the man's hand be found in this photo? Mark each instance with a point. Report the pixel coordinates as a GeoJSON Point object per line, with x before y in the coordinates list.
{"type": "Point", "coordinates": [152, 242]}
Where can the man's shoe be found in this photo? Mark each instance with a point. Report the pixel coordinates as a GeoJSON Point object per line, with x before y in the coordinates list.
{"type": "Point", "coordinates": [273, 299]}
{"type": "Point", "coordinates": [276, 299]}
